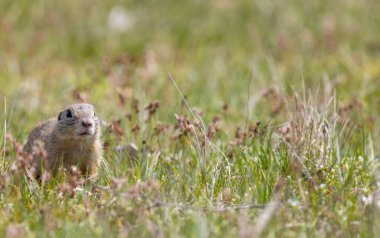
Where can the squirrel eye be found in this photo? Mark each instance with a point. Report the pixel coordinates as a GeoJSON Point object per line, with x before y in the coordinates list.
{"type": "Point", "coordinates": [68, 114]}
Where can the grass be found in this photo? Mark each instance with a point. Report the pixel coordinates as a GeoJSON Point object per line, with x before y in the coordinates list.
{"type": "Point", "coordinates": [267, 126]}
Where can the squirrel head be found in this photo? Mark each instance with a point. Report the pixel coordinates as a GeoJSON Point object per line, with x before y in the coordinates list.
{"type": "Point", "coordinates": [79, 122]}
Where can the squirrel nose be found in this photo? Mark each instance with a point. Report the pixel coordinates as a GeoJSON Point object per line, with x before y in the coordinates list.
{"type": "Point", "coordinates": [86, 124]}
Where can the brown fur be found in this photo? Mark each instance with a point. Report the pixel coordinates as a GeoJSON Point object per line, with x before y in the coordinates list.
{"type": "Point", "coordinates": [71, 139]}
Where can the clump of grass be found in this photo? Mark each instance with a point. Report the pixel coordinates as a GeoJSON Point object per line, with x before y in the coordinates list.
{"type": "Point", "coordinates": [300, 175]}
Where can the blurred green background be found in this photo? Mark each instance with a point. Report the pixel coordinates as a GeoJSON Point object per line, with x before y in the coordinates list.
{"type": "Point", "coordinates": [215, 50]}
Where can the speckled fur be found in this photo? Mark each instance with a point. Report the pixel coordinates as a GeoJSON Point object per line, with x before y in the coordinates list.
{"type": "Point", "coordinates": [61, 139]}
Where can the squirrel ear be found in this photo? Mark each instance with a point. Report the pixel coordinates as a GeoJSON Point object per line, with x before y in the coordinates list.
{"type": "Point", "coordinates": [59, 116]}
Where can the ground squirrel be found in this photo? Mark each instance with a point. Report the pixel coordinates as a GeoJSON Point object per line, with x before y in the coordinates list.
{"type": "Point", "coordinates": [71, 139]}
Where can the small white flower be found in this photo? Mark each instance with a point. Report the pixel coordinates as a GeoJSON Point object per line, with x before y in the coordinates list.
{"type": "Point", "coordinates": [367, 200]}
{"type": "Point", "coordinates": [119, 20]}
{"type": "Point", "coordinates": [294, 203]}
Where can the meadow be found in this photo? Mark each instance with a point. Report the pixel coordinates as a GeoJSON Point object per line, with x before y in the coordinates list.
{"type": "Point", "coordinates": [221, 118]}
